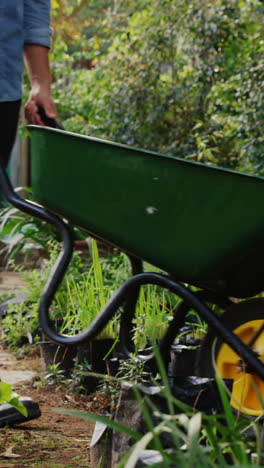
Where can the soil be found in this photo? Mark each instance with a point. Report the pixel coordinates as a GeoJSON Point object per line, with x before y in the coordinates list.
{"type": "Point", "coordinates": [53, 440]}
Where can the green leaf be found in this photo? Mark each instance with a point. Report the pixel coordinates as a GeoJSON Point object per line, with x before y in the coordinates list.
{"type": "Point", "coordinates": [5, 392]}
{"type": "Point", "coordinates": [103, 419]}
{"type": "Point", "coordinates": [18, 405]}
{"type": "Point", "coordinates": [29, 229]}
{"type": "Point", "coordinates": [226, 404]}
{"type": "Point", "coordinates": [194, 427]}
{"type": "Point", "coordinates": [139, 446]}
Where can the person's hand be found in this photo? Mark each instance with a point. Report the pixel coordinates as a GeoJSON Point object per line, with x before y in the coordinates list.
{"type": "Point", "coordinates": [37, 99]}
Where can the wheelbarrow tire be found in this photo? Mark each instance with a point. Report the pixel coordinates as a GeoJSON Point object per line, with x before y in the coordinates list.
{"type": "Point", "coordinates": [238, 315]}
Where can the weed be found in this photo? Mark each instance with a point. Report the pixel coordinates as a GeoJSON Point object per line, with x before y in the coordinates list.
{"type": "Point", "coordinates": [79, 376]}
{"type": "Point", "coordinates": [196, 439]}
{"type": "Point", "coordinates": [55, 376]}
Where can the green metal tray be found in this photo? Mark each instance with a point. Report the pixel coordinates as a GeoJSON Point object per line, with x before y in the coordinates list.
{"type": "Point", "coordinates": [203, 225]}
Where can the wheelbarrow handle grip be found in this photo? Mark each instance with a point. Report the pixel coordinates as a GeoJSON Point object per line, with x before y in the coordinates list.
{"type": "Point", "coordinates": [49, 122]}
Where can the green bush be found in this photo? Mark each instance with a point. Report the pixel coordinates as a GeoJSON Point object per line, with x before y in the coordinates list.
{"type": "Point", "coordinates": [183, 78]}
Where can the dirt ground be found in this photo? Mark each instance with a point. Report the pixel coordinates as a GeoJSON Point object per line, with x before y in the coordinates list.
{"type": "Point", "coordinates": [53, 440]}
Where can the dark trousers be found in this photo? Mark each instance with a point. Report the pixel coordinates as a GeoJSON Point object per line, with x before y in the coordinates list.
{"type": "Point", "coordinates": [9, 114]}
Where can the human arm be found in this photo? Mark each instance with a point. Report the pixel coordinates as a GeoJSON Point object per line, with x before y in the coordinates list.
{"type": "Point", "coordinates": [37, 63]}
{"type": "Point", "coordinates": [36, 56]}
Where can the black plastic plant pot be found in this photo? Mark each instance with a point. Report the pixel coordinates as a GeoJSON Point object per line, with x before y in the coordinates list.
{"type": "Point", "coordinates": [95, 353]}
{"type": "Point", "coordinates": [52, 353]}
{"type": "Point", "coordinates": [183, 360]}
{"type": "Point", "coordinates": [10, 416]}
{"type": "Point", "coordinates": [94, 356]}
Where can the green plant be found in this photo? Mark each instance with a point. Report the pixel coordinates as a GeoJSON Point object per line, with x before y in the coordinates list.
{"type": "Point", "coordinates": [55, 376]}
{"type": "Point", "coordinates": [152, 316]}
{"type": "Point", "coordinates": [85, 297]}
{"type": "Point", "coordinates": [83, 293]}
{"type": "Point", "coordinates": [182, 78]}
{"type": "Point", "coordinates": [79, 375]}
{"type": "Point", "coordinates": [131, 371]}
{"type": "Point", "coordinates": [6, 296]}
{"type": "Point", "coordinates": [79, 299]}
{"type": "Point", "coordinates": [21, 323]}
{"type": "Point", "coordinates": [7, 396]}
{"type": "Point", "coordinates": [20, 234]}
{"type": "Point", "coordinates": [195, 439]}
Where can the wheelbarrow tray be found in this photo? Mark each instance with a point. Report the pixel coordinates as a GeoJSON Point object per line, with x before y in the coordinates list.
{"type": "Point", "coordinates": [202, 224]}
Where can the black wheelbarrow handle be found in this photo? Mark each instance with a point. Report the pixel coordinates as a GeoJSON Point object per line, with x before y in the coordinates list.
{"type": "Point", "coordinates": [53, 123]}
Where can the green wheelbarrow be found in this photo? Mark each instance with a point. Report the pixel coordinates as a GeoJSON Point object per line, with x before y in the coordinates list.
{"type": "Point", "coordinates": [201, 225]}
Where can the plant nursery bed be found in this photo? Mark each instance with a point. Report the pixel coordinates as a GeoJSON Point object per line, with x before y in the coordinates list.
{"type": "Point", "coordinates": [53, 440]}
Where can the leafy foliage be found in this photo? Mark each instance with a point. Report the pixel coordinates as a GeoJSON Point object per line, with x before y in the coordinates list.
{"type": "Point", "coordinates": [183, 78]}
{"type": "Point", "coordinates": [7, 396]}
{"type": "Point", "coordinates": [20, 234]}
{"type": "Point", "coordinates": [82, 295]}
{"type": "Point", "coordinates": [196, 439]}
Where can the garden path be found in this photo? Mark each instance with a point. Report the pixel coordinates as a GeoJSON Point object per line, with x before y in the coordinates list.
{"type": "Point", "coordinates": [10, 281]}
{"type": "Point", "coordinates": [53, 440]}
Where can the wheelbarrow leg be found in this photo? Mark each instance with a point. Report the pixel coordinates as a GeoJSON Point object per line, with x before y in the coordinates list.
{"type": "Point", "coordinates": [179, 316]}
{"type": "Point", "coordinates": [129, 308]}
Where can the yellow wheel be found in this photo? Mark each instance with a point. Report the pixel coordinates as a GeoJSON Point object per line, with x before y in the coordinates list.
{"type": "Point", "coordinates": [246, 320]}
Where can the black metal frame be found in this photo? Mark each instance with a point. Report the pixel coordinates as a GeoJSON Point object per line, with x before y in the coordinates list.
{"type": "Point", "coordinates": [126, 296]}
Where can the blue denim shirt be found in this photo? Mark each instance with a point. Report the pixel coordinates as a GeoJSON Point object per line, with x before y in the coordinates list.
{"type": "Point", "coordinates": [21, 22]}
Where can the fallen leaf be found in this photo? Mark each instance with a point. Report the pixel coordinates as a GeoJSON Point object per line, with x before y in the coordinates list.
{"type": "Point", "coordinates": [9, 453]}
